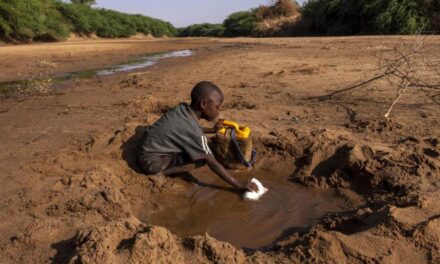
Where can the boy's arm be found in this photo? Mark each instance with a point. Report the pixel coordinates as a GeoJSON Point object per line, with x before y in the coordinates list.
{"type": "Point", "coordinates": [215, 166]}
{"type": "Point", "coordinates": [214, 129]}
{"type": "Point", "coordinates": [208, 130]}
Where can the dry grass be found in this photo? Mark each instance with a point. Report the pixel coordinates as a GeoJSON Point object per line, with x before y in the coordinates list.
{"type": "Point", "coordinates": [279, 19]}
{"type": "Point", "coordinates": [280, 8]}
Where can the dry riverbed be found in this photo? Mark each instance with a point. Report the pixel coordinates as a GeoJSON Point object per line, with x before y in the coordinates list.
{"type": "Point", "coordinates": [346, 185]}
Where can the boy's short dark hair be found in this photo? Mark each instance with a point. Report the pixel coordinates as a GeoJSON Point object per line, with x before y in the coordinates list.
{"type": "Point", "coordinates": [202, 90]}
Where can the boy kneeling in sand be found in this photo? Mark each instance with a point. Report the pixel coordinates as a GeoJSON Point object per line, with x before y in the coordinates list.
{"type": "Point", "coordinates": [176, 142]}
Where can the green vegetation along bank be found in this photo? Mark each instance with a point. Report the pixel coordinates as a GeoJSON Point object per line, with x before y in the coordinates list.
{"type": "Point", "coordinates": [327, 17]}
{"type": "Point", "coordinates": [52, 20]}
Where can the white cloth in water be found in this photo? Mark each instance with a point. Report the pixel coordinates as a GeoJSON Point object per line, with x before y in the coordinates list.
{"type": "Point", "coordinates": [253, 195]}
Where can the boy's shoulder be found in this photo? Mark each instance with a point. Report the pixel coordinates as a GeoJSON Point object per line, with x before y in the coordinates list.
{"type": "Point", "coordinates": [181, 110]}
{"type": "Point", "coordinates": [179, 117]}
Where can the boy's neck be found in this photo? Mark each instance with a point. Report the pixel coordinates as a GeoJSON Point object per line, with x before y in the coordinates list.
{"type": "Point", "coordinates": [197, 112]}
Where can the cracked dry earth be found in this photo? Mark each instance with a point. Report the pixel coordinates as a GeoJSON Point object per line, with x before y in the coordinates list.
{"type": "Point", "coordinates": [71, 191]}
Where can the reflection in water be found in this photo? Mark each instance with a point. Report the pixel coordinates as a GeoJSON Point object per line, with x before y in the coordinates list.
{"type": "Point", "coordinates": [225, 216]}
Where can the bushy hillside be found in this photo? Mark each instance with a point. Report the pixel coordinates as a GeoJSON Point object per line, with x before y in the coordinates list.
{"type": "Point", "coordinates": [332, 17]}
{"type": "Point", "coordinates": [51, 20]}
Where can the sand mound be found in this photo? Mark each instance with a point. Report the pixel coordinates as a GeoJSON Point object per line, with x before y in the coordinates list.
{"type": "Point", "coordinates": [133, 242]}
{"type": "Point", "coordinates": [375, 169]}
{"type": "Point", "coordinates": [367, 237]}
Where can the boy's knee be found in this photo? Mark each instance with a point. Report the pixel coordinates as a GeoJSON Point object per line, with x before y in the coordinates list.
{"type": "Point", "coordinates": [152, 164]}
{"type": "Point", "coordinates": [148, 168]}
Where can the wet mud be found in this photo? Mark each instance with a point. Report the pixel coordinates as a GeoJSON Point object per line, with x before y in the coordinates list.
{"type": "Point", "coordinates": [208, 205]}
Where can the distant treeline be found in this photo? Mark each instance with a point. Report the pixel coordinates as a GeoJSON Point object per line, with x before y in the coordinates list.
{"type": "Point", "coordinates": [51, 20]}
{"type": "Point", "coordinates": [326, 17]}
{"type": "Point", "coordinates": [347, 17]}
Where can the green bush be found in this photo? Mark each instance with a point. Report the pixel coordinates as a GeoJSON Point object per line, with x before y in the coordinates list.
{"type": "Point", "coordinates": [31, 19]}
{"type": "Point", "coordinates": [240, 24]}
{"type": "Point", "coordinates": [202, 30]}
{"type": "Point", "coordinates": [396, 16]}
{"type": "Point", "coordinates": [83, 19]}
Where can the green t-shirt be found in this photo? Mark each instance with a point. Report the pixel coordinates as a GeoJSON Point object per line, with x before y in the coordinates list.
{"type": "Point", "coordinates": [177, 131]}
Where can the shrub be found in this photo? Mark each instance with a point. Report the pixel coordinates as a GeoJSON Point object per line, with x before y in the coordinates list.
{"type": "Point", "coordinates": [395, 16]}
{"type": "Point", "coordinates": [83, 19]}
{"type": "Point", "coordinates": [240, 24]}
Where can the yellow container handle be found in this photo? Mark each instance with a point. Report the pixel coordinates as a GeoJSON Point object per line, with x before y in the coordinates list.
{"type": "Point", "coordinates": [231, 124]}
{"type": "Point", "coordinates": [242, 132]}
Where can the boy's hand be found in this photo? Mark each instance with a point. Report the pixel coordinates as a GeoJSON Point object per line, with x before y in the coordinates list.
{"type": "Point", "coordinates": [218, 125]}
{"type": "Point", "coordinates": [224, 174]}
{"type": "Point", "coordinates": [250, 186]}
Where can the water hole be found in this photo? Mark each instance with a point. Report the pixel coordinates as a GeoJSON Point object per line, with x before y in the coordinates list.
{"type": "Point", "coordinates": [214, 208]}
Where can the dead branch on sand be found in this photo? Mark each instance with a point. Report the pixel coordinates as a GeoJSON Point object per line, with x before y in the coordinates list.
{"type": "Point", "coordinates": [407, 68]}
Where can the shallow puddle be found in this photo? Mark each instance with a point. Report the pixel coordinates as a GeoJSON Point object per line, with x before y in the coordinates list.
{"type": "Point", "coordinates": [222, 213]}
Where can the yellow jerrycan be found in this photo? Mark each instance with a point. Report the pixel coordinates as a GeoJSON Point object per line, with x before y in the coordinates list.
{"type": "Point", "coordinates": [232, 146]}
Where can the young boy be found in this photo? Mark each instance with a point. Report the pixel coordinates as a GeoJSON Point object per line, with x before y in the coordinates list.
{"type": "Point", "coordinates": [176, 142]}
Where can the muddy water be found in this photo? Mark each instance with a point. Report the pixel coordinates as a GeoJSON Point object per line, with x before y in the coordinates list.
{"type": "Point", "coordinates": [219, 211]}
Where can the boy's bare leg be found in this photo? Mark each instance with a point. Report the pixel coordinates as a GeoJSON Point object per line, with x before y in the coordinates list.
{"type": "Point", "coordinates": [183, 169]}
{"type": "Point", "coordinates": [179, 170]}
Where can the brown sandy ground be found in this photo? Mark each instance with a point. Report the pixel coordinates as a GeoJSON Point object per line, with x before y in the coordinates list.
{"type": "Point", "coordinates": [70, 191]}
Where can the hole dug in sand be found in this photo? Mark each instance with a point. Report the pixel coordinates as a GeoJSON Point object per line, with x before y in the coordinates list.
{"type": "Point", "coordinates": [208, 205]}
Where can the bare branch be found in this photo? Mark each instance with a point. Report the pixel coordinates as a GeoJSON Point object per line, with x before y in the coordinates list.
{"type": "Point", "coordinates": [406, 66]}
